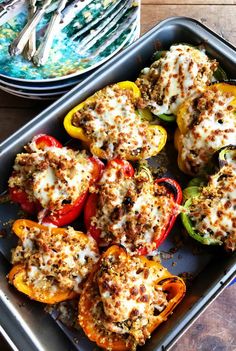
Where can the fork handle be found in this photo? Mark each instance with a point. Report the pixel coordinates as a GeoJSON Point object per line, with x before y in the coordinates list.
{"type": "Point", "coordinates": [19, 43]}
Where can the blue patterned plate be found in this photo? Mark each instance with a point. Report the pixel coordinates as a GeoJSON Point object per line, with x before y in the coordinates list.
{"type": "Point", "coordinates": [71, 55]}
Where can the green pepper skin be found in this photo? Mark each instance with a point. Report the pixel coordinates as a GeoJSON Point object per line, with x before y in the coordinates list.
{"type": "Point", "coordinates": [167, 118]}
{"type": "Point", "coordinates": [193, 190]}
{"type": "Point", "coordinates": [190, 229]}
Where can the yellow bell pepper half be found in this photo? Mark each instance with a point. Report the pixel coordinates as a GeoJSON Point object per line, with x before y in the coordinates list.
{"type": "Point", "coordinates": [78, 132]}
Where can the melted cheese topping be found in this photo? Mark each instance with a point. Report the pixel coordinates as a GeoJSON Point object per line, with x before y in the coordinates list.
{"type": "Point", "coordinates": [211, 125]}
{"type": "Point", "coordinates": [56, 261]}
{"type": "Point", "coordinates": [130, 296]}
{"type": "Point", "coordinates": [54, 176]}
{"type": "Point", "coordinates": [213, 212]}
{"type": "Point", "coordinates": [131, 211]}
{"type": "Point", "coordinates": [111, 123]}
{"type": "Point", "coordinates": [181, 73]}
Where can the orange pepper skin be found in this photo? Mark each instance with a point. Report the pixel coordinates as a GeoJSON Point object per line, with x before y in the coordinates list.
{"type": "Point", "coordinates": [172, 285]}
{"type": "Point", "coordinates": [17, 275]}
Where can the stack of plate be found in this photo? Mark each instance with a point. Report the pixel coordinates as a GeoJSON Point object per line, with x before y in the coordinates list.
{"type": "Point", "coordinates": [89, 33]}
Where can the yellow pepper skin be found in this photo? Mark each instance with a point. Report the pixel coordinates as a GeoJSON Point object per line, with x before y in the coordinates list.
{"type": "Point", "coordinates": [17, 275]}
{"type": "Point", "coordinates": [183, 126]}
{"type": "Point", "coordinates": [78, 132]}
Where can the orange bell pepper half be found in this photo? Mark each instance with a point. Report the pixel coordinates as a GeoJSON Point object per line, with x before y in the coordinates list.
{"type": "Point", "coordinates": [78, 132]}
{"type": "Point", "coordinates": [91, 321]}
{"type": "Point", "coordinates": [18, 274]}
{"type": "Point", "coordinates": [183, 125]}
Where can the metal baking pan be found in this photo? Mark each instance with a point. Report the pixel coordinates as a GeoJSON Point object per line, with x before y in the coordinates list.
{"type": "Point", "coordinates": [23, 322]}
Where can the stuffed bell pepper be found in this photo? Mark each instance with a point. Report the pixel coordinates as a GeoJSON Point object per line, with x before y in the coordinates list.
{"type": "Point", "coordinates": [131, 208]}
{"type": "Point", "coordinates": [210, 215]}
{"type": "Point", "coordinates": [110, 123]}
{"type": "Point", "coordinates": [126, 298]}
{"type": "Point", "coordinates": [52, 181]}
{"type": "Point", "coordinates": [206, 123]}
{"type": "Point", "coordinates": [50, 264]}
{"type": "Point", "coordinates": [177, 74]}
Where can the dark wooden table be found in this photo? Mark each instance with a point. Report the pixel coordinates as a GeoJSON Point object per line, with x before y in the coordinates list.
{"type": "Point", "coordinates": [215, 329]}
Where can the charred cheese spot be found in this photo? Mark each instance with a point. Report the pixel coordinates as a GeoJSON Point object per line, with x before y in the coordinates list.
{"type": "Point", "coordinates": [211, 125]}
{"type": "Point", "coordinates": [129, 297]}
{"type": "Point", "coordinates": [54, 176]}
{"type": "Point", "coordinates": [112, 124]}
{"type": "Point", "coordinates": [181, 73]}
{"type": "Point", "coordinates": [213, 212]}
{"type": "Point", "coordinates": [131, 211]}
{"type": "Point", "coordinates": [55, 261]}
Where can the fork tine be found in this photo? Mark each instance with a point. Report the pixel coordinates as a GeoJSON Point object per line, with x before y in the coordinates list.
{"type": "Point", "coordinates": [103, 28]}
{"type": "Point", "coordinates": [91, 24]}
{"type": "Point", "coordinates": [129, 21]}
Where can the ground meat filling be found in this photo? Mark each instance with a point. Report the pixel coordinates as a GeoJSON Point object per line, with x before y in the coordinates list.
{"type": "Point", "coordinates": [55, 261]}
{"type": "Point", "coordinates": [133, 212]}
{"type": "Point", "coordinates": [111, 122]}
{"type": "Point", "coordinates": [211, 125]}
{"type": "Point", "coordinates": [182, 72]}
{"type": "Point", "coordinates": [127, 298]}
{"type": "Point", "coordinates": [213, 212]}
{"type": "Point", "coordinates": [53, 176]}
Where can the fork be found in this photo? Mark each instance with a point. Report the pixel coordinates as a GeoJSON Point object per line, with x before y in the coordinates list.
{"type": "Point", "coordinates": [19, 43]}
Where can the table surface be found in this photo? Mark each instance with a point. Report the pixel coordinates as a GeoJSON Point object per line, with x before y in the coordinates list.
{"type": "Point", "coordinates": [215, 329]}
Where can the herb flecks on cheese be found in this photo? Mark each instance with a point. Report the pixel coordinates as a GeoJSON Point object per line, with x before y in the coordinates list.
{"type": "Point", "coordinates": [53, 176]}
{"type": "Point", "coordinates": [112, 124]}
{"type": "Point", "coordinates": [132, 211]}
{"type": "Point", "coordinates": [129, 295]}
{"type": "Point", "coordinates": [182, 72]}
{"type": "Point", "coordinates": [55, 261]}
{"type": "Point", "coordinates": [211, 125]}
{"type": "Point", "coordinates": [213, 212]}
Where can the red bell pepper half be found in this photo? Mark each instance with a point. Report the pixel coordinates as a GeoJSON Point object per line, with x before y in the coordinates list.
{"type": "Point", "coordinates": [171, 187]}
{"type": "Point", "coordinates": [69, 212]}
{"type": "Point", "coordinates": [43, 140]}
{"type": "Point", "coordinates": [19, 195]}
{"type": "Point", "coordinates": [91, 205]}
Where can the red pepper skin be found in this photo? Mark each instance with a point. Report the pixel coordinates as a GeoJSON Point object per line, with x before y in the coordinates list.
{"type": "Point", "coordinates": [173, 188]}
{"type": "Point", "coordinates": [43, 140]}
{"type": "Point", "coordinates": [90, 210]}
{"type": "Point", "coordinates": [70, 212]}
{"type": "Point", "coordinates": [21, 197]}
{"type": "Point", "coordinates": [91, 203]}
